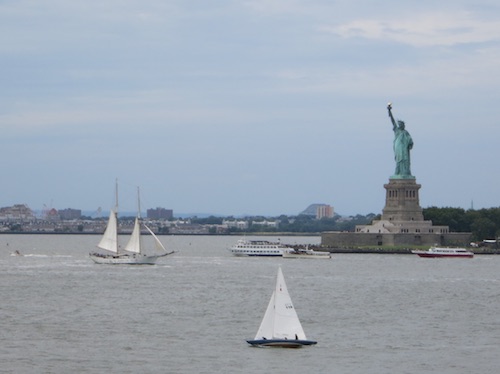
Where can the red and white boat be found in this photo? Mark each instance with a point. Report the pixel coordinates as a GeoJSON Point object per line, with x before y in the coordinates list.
{"type": "Point", "coordinates": [444, 252]}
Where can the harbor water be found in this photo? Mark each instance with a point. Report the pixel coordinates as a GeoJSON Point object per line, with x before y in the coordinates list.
{"type": "Point", "coordinates": [193, 310]}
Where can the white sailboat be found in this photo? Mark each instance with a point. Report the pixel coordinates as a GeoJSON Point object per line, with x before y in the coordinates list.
{"type": "Point", "coordinates": [281, 326]}
{"type": "Point", "coordinates": [134, 253]}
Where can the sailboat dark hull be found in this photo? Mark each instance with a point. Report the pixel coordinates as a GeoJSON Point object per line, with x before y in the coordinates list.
{"type": "Point", "coordinates": [281, 343]}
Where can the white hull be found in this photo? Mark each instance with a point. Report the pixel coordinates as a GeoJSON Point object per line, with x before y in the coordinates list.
{"type": "Point", "coordinates": [132, 259]}
{"type": "Point", "coordinates": [256, 252]}
{"type": "Point", "coordinates": [258, 248]}
{"type": "Point", "coordinates": [306, 254]}
{"type": "Point", "coordinates": [444, 252]}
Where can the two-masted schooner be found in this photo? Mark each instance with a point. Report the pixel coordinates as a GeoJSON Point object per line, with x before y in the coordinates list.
{"type": "Point", "coordinates": [133, 253]}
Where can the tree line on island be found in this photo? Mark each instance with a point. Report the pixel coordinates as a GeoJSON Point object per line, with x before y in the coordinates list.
{"type": "Point", "coordinates": [482, 223]}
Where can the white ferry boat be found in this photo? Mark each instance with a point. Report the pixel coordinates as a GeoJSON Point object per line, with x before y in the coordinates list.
{"type": "Point", "coordinates": [444, 252]}
{"type": "Point", "coordinates": [258, 248]}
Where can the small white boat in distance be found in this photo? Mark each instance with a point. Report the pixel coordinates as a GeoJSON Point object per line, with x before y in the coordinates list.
{"type": "Point", "coordinates": [306, 253]}
{"type": "Point", "coordinates": [280, 326]}
{"type": "Point", "coordinates": [258, 248]}
{"type": "Point", "coordinates": [444, 252]}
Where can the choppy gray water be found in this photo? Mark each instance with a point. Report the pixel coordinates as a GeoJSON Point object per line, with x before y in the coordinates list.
{"type": "Point", "coordinates": [191, 313]}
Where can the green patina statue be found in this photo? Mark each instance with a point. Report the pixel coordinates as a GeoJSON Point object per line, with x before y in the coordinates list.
{"type": "Point", "coordinates": [402, 145]}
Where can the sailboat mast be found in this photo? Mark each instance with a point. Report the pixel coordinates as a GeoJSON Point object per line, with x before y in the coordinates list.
{"type": "Point", "coordinates": [116, 215]}
{"type": "Point", "coordinates": [139, 218]}
{"type": "Point", "coordinates": [116, 195]}
{"type": "Point", "coordinates": [138, 203]}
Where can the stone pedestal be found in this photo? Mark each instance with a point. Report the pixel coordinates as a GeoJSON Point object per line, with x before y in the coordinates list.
{"type": "Point", "coordinates": [402, 220]}
{"type": "Point", "coordinates": [402, 203]}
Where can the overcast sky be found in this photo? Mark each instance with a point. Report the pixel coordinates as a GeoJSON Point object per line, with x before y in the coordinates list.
{"type": "Point", "coordinates": [247, 107]}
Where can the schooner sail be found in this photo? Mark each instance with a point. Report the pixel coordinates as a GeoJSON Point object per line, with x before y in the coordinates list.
{"type": "Point", "coordinates": [109, 241]}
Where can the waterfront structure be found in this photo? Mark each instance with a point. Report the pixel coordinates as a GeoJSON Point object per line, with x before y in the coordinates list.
{"type": "Point", "coordinates": [402, 222]}
{"type": "Point", "coordinates": [160, 213]}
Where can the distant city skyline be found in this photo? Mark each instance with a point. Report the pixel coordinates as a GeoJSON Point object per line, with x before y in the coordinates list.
{"type": "Point", "coordinates": [247, 108]}
{"type": "Point", "coordinates": [144, 211]}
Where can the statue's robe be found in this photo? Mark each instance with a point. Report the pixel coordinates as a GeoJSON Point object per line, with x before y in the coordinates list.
{"type": "Point", "coordinates": [402, 145]}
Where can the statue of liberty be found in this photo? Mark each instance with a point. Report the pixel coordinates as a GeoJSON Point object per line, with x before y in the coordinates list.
{"type": "Point", "coordinates": [403, 143]}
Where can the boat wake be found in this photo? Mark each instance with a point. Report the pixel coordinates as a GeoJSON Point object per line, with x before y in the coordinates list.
{"type": "Point", "coordinates": [39, 255]}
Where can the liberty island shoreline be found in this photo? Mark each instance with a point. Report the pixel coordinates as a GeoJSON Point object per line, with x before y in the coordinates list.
{"type": "Point", "coordinates": [285, 237]}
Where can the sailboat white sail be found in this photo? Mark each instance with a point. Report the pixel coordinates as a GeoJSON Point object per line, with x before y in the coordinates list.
{"type": "Point", "coordinates": [280, 326]}
{"type": "Point", "coordinates": [134, 243]}
{"type": "Point", "coordinates": [158, 244]}
{"type": "Point", "coordinates": [109, 241]}
{"type": "Point", "coordinates": [133, 253]}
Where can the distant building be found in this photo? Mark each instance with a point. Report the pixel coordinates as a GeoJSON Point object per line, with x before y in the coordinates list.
{"type": "Point", "coordinates": [70, 214]}
{"type": "Point", "coordinates": [160, 213]}
{"type": "Point", "coordinates": [319, 211]}
{"type": "Point", "coordinates": [18, 212]}
{"type": "Point", "coordinates": [52, 215]}
{"type": "Point", "coordinates": [241, 225]}
{"type": "Point", "coordinates": [190, 229]}
{"type": "Point", "coordinates": [266, 223]}
{"type": "Point", "coordinates": [324, 211]}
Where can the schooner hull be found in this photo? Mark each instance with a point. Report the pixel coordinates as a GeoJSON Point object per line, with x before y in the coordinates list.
{"type": "Point", "coordinates": [124, 260]}
{"type": "Point", "coordinates": [280, 343]}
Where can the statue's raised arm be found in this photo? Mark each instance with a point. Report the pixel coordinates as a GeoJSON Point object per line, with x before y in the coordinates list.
{"type": "Point", "coordinates": [389, 108]}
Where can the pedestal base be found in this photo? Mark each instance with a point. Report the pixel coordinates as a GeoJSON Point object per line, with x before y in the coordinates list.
{"type": "Point", "coordinates": [402, 201]}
